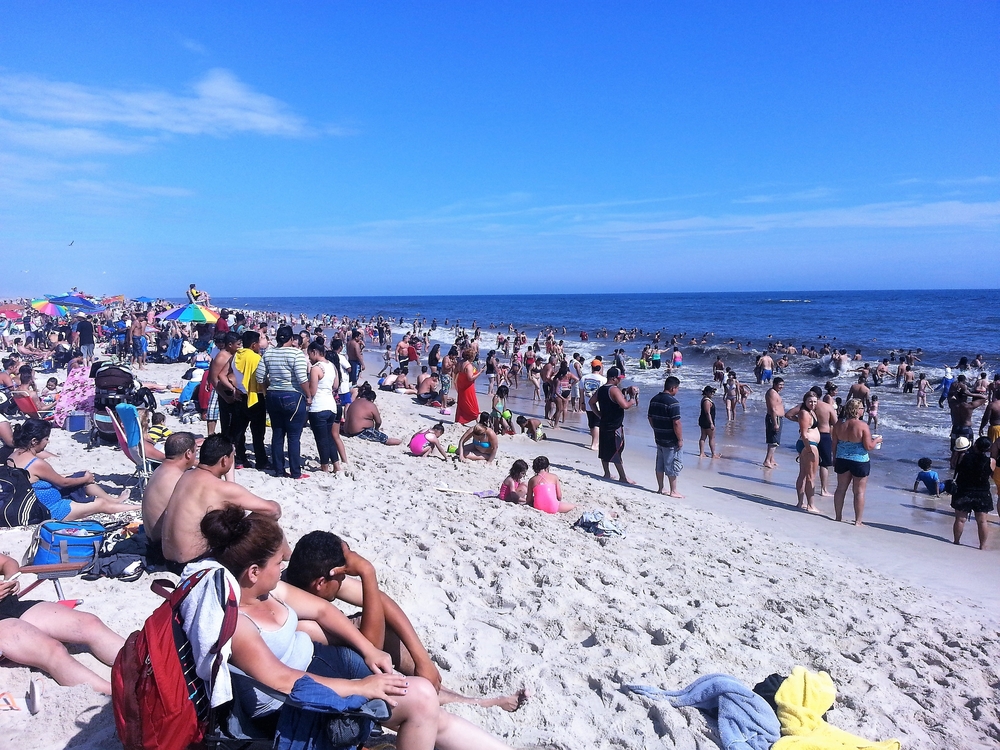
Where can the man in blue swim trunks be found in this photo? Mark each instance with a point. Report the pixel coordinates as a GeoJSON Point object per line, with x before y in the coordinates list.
{"type": "Point", "coordinates": [766, 366]}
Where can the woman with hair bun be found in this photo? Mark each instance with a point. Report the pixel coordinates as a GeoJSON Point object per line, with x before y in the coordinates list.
{"type": "Point", "coordinates": [268, 647]}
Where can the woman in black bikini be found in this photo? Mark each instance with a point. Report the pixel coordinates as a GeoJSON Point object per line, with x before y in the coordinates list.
{"type": "Point", "coordinates": [808, 448]}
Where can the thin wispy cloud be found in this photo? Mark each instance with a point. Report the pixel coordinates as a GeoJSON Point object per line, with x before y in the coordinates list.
{"type": "Point", "coordinates": [65, 141]}
{"type": "Point", "coordinates": [192, 46]}
{"type": "Point", "coordinates": [812, 194]}
{"type": "Point", "coordinates": [219, 104]}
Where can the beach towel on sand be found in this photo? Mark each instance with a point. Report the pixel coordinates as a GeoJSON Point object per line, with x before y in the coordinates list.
{"type": "Point", "coordinates": [802, 700]}
{"type": "Point", "coordinates": [745, 720]}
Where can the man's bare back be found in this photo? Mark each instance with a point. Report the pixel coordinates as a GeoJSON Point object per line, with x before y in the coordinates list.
{"type": "Point", "coordinates": [196, 493]}
{"type": "Point", "coordinates": [157, 495]}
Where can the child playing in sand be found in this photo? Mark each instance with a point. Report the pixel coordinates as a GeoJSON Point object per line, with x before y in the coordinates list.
{"type": "Point", "coordinates": [928, 478]}
{"type": "Point", "coordinates": [544, 491]}
{"type": "Point", "coordinates": [513, 489]}
{"type": "Point", "coordinates": [426, 442]}
{"type": "Point", "coordinates": [532, 426]}
{"type": "Point", "coordinates": [501, 415]}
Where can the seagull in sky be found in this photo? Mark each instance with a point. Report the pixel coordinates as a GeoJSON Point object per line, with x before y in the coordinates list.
{"type": "Point", "coordinates": [71, 244]}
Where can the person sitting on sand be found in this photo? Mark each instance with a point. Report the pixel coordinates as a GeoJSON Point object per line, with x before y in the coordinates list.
{"type": "Point", "coordinates": [364, 420]}
{"type": "Point", "coordinates": [428, 389]}
{"type": "Point", "coordinates": [928, 478]}
{"type": "Point", "coordinates": [32, 633]}
{"type": "Point", "coordinates": [199, 491]}
{"type": "Point", "coordinates": [514, 489]}
{"type": "Point", "coordinates": [426, 442]}
{"type": "Point", "coordinates": [325, 566]}
{"type": "Point", "coordinates": [252, 548]}
{"type": "Point", "coordinates": [180, 454]}
{"type": "Point", "coordinates": [544, 492]}
{"type": "Point", "coordinates": [67, 498]}
{"type": "Point", "coordinates": [479, 443]}
{"type": "Point", "coordinates": [531, 426]}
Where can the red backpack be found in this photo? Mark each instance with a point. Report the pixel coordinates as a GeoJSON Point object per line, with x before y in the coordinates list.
{"type": "Point", "coordinates": [159, 702]}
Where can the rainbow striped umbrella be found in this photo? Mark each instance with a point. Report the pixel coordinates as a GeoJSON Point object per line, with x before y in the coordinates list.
{"type": "Point", "coordinates": [193, 313]}
{"type": "Point", "coordinates": [45, 307]}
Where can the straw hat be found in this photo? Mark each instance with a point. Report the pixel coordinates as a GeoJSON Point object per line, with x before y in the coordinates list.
{"type": "Point", "coordinates": [962, 443]}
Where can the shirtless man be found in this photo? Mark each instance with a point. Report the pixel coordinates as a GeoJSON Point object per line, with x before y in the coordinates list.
{"type": "Point", "coordinates": [773, 420]}
{"type": "Point", "coordinates": [136, 334]}
{"type": "Point", "coordinates": [963, 405]}
{"type": "Point", "coordinates": [766, 365]}
{"type": "Point", "coordinates": [719, 370]}
{"type": "Point", "coordinates": [991, 419]}
{"type": "Point", "coordinates": [197, 492]}
{"type": "Point", "coordinates": [179, 456]}
{"type": "Point", "coordinates": [355, 355]}
{"type": "Point", "coordinates": [364, 420]}
{"type": "Point", "coordinates": [860, 391]}
{"type": "Point", "coordinates": [325, 566]}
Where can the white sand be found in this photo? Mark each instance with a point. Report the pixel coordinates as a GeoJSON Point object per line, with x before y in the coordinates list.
{"type": "Point", "coordinates": [505, 596]}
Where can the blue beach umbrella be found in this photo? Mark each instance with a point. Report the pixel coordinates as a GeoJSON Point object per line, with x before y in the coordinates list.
{"type": "Point", "coordinates": [144, 300]}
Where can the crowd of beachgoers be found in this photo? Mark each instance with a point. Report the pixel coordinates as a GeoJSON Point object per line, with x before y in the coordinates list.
{"type": "Point", "coordinates": [275, 373]}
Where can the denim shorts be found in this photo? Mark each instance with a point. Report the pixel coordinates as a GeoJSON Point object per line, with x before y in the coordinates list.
{"type": "Point", "coordinates": [668, 460]}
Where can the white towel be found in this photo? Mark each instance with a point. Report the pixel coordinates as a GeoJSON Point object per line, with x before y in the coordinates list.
{"type": "Point", "coordinates": [203, 612]}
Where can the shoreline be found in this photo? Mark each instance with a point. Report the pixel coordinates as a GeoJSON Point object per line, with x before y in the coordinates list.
{"type": "Point", "coordinates": [505, 596]}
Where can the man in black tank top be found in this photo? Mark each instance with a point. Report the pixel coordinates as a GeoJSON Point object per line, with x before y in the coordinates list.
{"type": "Point", "coordinates": [610, 404]}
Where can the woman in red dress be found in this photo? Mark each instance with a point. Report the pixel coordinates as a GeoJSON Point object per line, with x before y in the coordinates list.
{"type": "Point", "coordinates": [467, 407]}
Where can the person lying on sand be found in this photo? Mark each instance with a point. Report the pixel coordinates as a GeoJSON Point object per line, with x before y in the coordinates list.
{"type": "Point", "coordinates": [324, 565]}
{"type": "Point", "coordinates": [33, 632]}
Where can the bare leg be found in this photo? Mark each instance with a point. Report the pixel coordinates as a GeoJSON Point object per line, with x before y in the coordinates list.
{"type": "Point", "coordinates": [860, 483]}
{"type": "Point", "coordinates": [339, 442]}
{"type": "Point", "coordinates": [99, 505]}
{"type": "Point", "coordinates": [701, 443]}
{"type": "Point", "coordinates": [711, 443]}
{"type": "Point", "coordinates": [454, 733]}
{"type": "Point", "coordinates": [621, 473]}
{"type": "Point", "coordinates": [824, 478]}
{"type": "Point", "coordinates": [984, 531]}
{"type": "Point", "coordinates": [843, 482]}
{"type": "Point", "coordinates": [959, 526]}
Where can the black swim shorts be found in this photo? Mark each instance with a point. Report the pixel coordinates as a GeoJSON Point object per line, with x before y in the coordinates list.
{"type": "Point", "coordinates": [825, 450]}
{"type": "Point", "coordinates": [772, 432]}
{"type": "Point", "coordinates": [857, 469]}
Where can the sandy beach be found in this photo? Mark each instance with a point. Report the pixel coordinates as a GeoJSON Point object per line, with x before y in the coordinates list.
{"type": "Point", "coordinates": [731, 579]}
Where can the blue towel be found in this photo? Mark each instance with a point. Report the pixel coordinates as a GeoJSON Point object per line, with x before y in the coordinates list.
{"type": "Point", "coordinates": [309, 721]}
{"type": "Point", "coordinates": [745, 720]}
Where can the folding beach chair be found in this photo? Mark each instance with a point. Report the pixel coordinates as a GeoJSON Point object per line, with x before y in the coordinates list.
{"type": "Point", "coordinates": [28, 408]}
{"type": "Point", "coordinates": [125, 421]}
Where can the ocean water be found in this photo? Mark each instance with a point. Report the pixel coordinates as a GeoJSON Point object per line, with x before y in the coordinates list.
{"type": "Point", "coordinates": [947, 325]}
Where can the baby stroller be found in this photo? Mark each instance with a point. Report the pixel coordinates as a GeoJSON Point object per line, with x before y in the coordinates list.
{"type": "Point", "coordinates": [113, 385]}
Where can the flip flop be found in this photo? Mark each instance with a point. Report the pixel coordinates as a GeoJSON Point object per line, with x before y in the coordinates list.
{"type": "Point", "coordinates": [34, 699]}
{"type": "Point", "coordinates": [7, 702]}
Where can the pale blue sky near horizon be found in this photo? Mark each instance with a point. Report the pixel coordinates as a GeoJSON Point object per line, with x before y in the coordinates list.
{"type": "Point", "coordinates": [454, 148]}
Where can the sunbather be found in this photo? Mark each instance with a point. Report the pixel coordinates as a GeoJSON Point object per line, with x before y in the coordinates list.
{"type": "Point", "coordinates": [67, 498]}
{"type": "Point", "coordinates": [33, 632]}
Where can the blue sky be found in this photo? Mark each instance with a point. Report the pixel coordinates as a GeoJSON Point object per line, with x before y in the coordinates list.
{"type": "Point", "coordinates": [442, 148]}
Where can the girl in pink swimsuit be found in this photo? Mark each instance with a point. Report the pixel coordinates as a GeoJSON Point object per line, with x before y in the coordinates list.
{"type": "Point", "coordinates": [426, 442]}
{"type": "Point", "coordinates": [544, 490]}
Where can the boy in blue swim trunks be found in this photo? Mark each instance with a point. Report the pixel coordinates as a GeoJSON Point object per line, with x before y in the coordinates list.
{"type": "Point", "coordinates": [928, 478]}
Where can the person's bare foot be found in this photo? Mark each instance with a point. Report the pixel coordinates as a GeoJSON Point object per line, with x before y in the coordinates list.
{"type": "Point", "coordinates": [824, 493]}
{"type": "Point", "coordinates": [812, 509]}
{"type": "Point", "coordinates": [626, 480]}
{"type": "Point", "coordinates": [675, 494]}
{"type": "Point", "coordinates": [125, 494]}
{"type": "Point", "coordinates": [509, 703]}
{"type": "Point", "coordinates": [858, 523]}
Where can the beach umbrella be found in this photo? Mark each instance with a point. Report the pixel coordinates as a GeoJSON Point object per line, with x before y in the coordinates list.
{"type": "Point", "coordinates": [47, 307]}
{"type": "Point", "coordinates": [144, 300]}
{"type": "Point", "coordinates": [192, 313]}
{"type": "Point", "coordinates": [12, 313]}
{"type": "Point", "coordinates": [76, 301]}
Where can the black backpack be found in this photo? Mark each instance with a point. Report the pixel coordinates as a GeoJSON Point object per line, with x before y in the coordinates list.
{"type": "Point", "coordinates": [18, 504]}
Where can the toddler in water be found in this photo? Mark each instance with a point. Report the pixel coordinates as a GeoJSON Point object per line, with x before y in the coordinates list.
{"type": "Point", "coordinates": [426, 442]}
{"type": "Point", "coordinates": [544, 491]}
{"type": "Point", "coordinates": [513, 489]}
{"type": "Point", "coordinates": [928, 478]}
{"type": "Point", "coordinates": [873, 413]}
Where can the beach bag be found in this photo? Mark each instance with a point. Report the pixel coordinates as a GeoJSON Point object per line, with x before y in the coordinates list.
{"type": "Point", "coordinates": [152, 692]}
{"type": "Point", "coordinates": [18, 504]}
{"type": "Point", "coordinates": [66, 542]}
